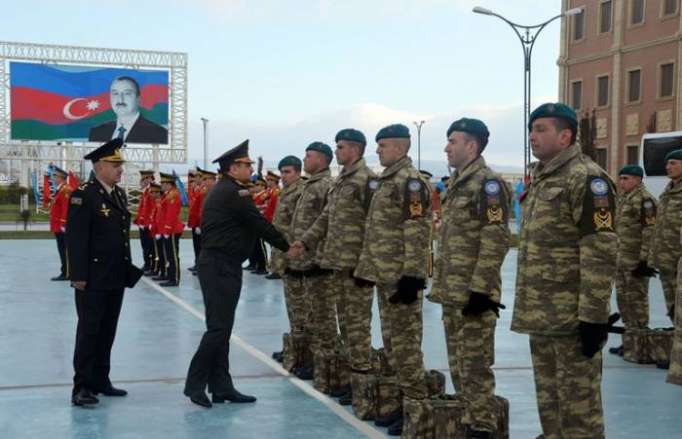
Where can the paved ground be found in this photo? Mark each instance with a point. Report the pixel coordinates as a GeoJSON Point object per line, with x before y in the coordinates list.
{"type": "Point", "coordinates": [159, 331]}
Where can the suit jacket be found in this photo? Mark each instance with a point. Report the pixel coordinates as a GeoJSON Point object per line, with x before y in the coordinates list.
{"type": "Point", "coordinates": [143, 131]}
{"type": "Point", "coordinates": [98, 237]}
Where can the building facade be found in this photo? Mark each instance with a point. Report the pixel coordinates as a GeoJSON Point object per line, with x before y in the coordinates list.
{"type": "Point", "coordinates": [620, 59]}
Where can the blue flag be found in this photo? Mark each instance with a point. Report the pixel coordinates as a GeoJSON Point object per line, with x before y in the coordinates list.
{"type": "Point", "coordinates": [34, 184]}
{"type": "Point", "coordinates": [518, 190]}
{"type": "Point", "coordinates": [181, 188]}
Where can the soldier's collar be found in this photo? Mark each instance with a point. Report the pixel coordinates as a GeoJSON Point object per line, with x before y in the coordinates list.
{"type": "Point", "coordinates": [477, 164]}
{"type": "Point", "coordinates": [347, 170]}
{"type": "Point", "coordinates": [395, 167]}
{"type": "Point", "coordinates": [315, 177]}
{"type": "Point", "coordinates": [557, 162]}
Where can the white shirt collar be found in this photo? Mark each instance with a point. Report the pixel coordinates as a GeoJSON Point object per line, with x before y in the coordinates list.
{"type": "Point", "coordinates": [106, 187]}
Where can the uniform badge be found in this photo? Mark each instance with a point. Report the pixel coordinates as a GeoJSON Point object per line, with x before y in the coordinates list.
{"type": "Point", "coordinates": [76, 201]}
{"type": "Point", "coordinates": [493, 203]}
{"type": "Point", "coordinates": [244, 193]}
{"type": "Point", "coordinates": [492, 187]}
{"type": "Point", "coordinates": [495, 214]}
{"type": "Point", "coordinates": [373, 184]}
{"type": "Point", "coordinates": [599, 187]}
{"type": "Point", "coordinates": [649, 213]}
{"type": "Point", "coordinates": [104, 210]}
{"type": "Point", "coordinates": [415, 199]}
{"type": "Point", "coordinates": [603, 220]}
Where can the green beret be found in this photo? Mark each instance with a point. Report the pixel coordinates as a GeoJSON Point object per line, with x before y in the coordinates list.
{"type": "Point", "coordinates": [473, 127]}
{"type": "Point", "coordinates": [290, 160]}
{"type": "Point", "coordinates": [321, 147]}
{"type": "Point", "coordinates": [559, 110]}
{"type": "Point", "coordinates": [673, 155]}
{"type": "Point", "coordinates": [396, 131]}
{"type": "Point", "coordinates": [635, 170]}
{"type": "Point", "coordinates": [351, 135]}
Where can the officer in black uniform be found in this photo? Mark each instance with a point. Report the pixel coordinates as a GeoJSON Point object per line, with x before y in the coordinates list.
{"type": "Point", "coordinates": [98, 246]}
{"type": "Point", "coordinates": [230, 225]}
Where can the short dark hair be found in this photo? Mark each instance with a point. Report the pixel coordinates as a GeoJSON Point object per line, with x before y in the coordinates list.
{"type": "Point", "coordinates": [564, 124]}
{"type": "Point", "coordinates": [131, 79]}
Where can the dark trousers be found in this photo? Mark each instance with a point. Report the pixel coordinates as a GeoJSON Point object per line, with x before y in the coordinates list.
{"type": "Point", "coordinates": [196, 242]}
{"type": "Point", "coordinates": [147, 243]}
{"type": "Point", "coordinates": [61, 246]}
{"type": "Point", "coordinates": [258, 258]}
{"type": "Point", "coordinates": [221, 283]}
{"type": "Point", "coordinates": [170, 246]}
{"type": "Point", "coordinates": [98, 313]}
{"type": "Point", "coordinates": [159, 266]}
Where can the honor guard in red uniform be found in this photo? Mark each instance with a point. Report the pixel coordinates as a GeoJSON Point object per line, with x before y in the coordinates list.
{"type": "Point", "coordinates": [151, 226]}
{"type": "Point", "coordinates": [273, 189]}
{"type": "Point", "coordinates": [195, 196]}
{"type": "Point", "coordinates": [143, 211]}
{"type": "Point", "coordinates": [156, 227]}
{"type": "Point", "coordinates": [59, 209]}
{"type": "Point", "coordinates": [171, 228]}
{"type": "Point", "coordinates": [259, 257]}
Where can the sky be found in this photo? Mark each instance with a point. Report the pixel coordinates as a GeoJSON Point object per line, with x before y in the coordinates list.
{"type": "Point", "coordinates": [286, 73]}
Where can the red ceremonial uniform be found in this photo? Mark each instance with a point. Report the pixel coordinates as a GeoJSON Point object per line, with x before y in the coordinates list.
{"type": "Point", "coordinates": [144, 209]}
{"type": "Point", "coordinates": [271, 204]}
{"type": "Point", "coordinates": [60, 208]}
{"type": "Point", "coordinates": [170, 213]}
{"type": "Point", "coordinates": [195, 205]}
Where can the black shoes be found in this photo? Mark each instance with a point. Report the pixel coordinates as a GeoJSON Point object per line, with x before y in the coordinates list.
{"type": "Point", "coordinates": [84, 397]}
{"type": "Point", "coordinates": [200, 399]}
{"type": "Point", "coordinates": [396, 429]}
{"type": "Point", "coordinates": [261, 272]}
{"type": "Point", "coordinates": [337, 393]}
{"type": "Point", "coordinates": [273, 276]}
{"type": "Point", "coordinates": [233, 396]}
{"type": "Point", "coordinates": [278, 356]}
{"type": "Point", "coordinates": [159, 277]}
{"type": "Point", "coordinates": [193, 268]}
{"type": "Point", "coordinates": [389, 419]}
{"type": "Point", "coordinates": [169, 284]}
{"type": "Point", "coordinates": [617, 351]}
{"type": "Point", "coordinates": [60, 277]}
{"type": "Point", "coordinates": [478, 434]}
{"type": "Point", "coordinates": [346, 399]}
{"type": "Point", "coordinates": [663, 365]}
{"type": "Point", "coordinates": [304, 373]}
{"type": "Point", "coordinates": [111, 391]}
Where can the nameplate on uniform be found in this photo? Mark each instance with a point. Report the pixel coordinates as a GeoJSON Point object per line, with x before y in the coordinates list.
{"type": "Point", "coordinates": [76, 201]}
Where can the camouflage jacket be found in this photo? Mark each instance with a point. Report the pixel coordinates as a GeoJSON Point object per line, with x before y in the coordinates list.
{"type": "Point", "coordinates": [343, 218]}
{"type": "Point", "coordinates": [567, 247]}
{"type": "Point", "coordinates": [309, 206]}
{"type": "Point", "coordinates": [635, 220]}
{"type": "Point", "coordinates": [666, 248]}
{"type": "Point", "coordinates": [398, 227]}
{"type": "Point", "coordinates": [284, 212]}
{"type": "Point", "coordinates": [474, 236]}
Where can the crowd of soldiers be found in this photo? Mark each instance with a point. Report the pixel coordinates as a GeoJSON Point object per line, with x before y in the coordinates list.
{"type": "Point", "coordinates": [360, 231]}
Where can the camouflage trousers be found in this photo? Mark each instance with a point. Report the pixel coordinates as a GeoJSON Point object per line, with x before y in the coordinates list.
{"type": "Point", "coordinates": [354, 311]}
{"type": "Point", "coordinates": [297, 304]}
{"type": "Point", "coordinates": [675, 371]}
{"type": "Point", "coordinates": [471, 355]}
{"type": "Point", "coordinates": [632, 297]}
{"type": "Point", "coordinates": [567, 387]}
{"type": "Point", "coordinates": [322, 323]}
{"type": "Point", "coordinates": [668, 282]}
{"type": "Point", "coordinates": [401, 331]}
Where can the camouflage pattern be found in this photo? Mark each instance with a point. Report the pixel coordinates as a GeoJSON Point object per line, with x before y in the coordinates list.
{"type": "Point", "coordinates": [660, 343]}
{"type": "Point", "coordinates": [675, 371]}
{"type": "Point", "coordinates": [474, 236]}
{"type": "Point", "coordinates": [566, 264]}
{"type": "Point", "coordinates": [299, 312]}
{"type": "Point", "coordinates": [331, 372]}
{"type": "Point", "coordinates": [567, 387]}
{"type": "Point", "coordinates": [666, 248]}
{"type": "Point", "coordinates": [636, 346]}
{"type": "Point", "coordinates": [284, 213]}
{"type": "Point", "coordinates": [322, 323]}
{"type": "Point", "coordinates": [474, 240]}
{"type": "Point", "coordinates": [635, 221]}
{"type": "Point", "coordinates": [296, 352]}
{"type": "Point", "coordinates": [396, 241]}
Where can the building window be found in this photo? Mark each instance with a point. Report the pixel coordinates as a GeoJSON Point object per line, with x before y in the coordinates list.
{"type": "Point", "coordinates": [577, 95]}
{"type": "Point", "coordinates": [605, 9]}
{"type": "Point", "coordinates": [633, 154]}
{"type": "Point", "coordinates": [667, 80]}
{"type": "Point", "coordinates": [669, 7]}
{"type": "Point", "coordinates": [634, 85]}
{"type": "Point", "coordinates": [600, 157]}
{"type": "Point", "coordinates": [602, 91]}
{"type": "Point", "coordinates": [636, 11]}
{"type": "Point", "coordinates": [579, 25]}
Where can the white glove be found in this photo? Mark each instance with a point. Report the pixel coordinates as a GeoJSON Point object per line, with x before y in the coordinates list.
{"type": "Point", "coordinates": [157, 236]}
{"type": "Point", "coordinates": [63, 229]}
{"type": "Point", "coordinates": [197, 230]}
{"type": "Point", "coordinates": [166, 236]}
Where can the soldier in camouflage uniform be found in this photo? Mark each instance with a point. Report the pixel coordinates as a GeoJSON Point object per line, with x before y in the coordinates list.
{"type": "Point", "coordinates": [395, 254]}
{"type": "Point", "coordinates": [675, 372]}
{"type": "Point", "coordinates": [566, 263]}
{"type": "Point", "coordinates": [309, 207]}
{"type": "Point", "coordinates": [474, 239]}
{"type": "Point", "coordinates": [635, 220]}
{"type": "Point", "coordinates": [666, 248]}
{"type": "Point", "coordinates": [298, 309]}
{"type": "Point", "coordinates": [343, 224]}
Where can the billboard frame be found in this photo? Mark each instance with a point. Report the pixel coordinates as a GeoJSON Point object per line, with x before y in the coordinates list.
{"type": "Point", "coordinates": [62, 152]}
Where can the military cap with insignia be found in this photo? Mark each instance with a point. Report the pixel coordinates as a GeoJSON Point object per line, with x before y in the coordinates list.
{"type": "Point", "coordinates": [166, 178]}
{"type": "Point", "coordinates": [322, 148]}
{"type": "Point", "coordinates": [109, 152]}
{"type": "Point", "coordinates": [238, 154]}
{"type": "Point", "coordinates": [147, 173]}
{"type": "Point", "coordinates": [205, 172]}
{"type": "Point", "coordinates": [351, 135]}
{"type": "Point", "coordinates": [273, 174]}
{"type": "Point", "coordinates": [473, 127]}
{"type": "Point", "coordinates": [551, 109]}
{"type": "Point", "coordinates": [60, 171]}
{"type": "Point", "coordinates": [154, 187]}
{"type": "Point", "coordinates": [635, 170]}
{"type": "Point", "coordinates": [395, 131]}
{"type": "Point", "coordinates": [673, 155]}
{"type": "Point", "coordinates": [290, 160]}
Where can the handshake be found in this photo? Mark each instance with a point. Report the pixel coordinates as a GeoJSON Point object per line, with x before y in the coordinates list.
{"type": "Point", "coordinates": [296, 249]}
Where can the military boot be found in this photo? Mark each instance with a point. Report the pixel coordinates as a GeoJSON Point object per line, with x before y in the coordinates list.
{"type": "Point", "coordinates": [388, 420]}
{"type": "Point", "coordinates": [478, 434]}
{"type": "Point", "coordinates": [337, 393]}
{"type": "Point", "coordinates": [617, 351]}
{"type": "Point", "coordinates": [347, 398]}
{"type": "Point", "coordinates": [396, 429]}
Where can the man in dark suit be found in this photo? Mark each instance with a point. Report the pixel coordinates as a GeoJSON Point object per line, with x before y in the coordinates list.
{"type": "Point", "coordinates": [229, 228]}
{"type": "Point", "coordinates": [98, 248]}
{"type": "Point", "coordinates": [129, 124]}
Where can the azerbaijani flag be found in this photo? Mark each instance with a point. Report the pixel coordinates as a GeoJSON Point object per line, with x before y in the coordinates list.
{"type": "Point", "coordinates": [59, 102]}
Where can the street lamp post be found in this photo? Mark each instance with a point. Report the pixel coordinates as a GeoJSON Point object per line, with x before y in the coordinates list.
{"type": "Point", "coordinates": [205, 122]}
{"type": "Point", "coordinates": [527, 35]}
{"type": "Point", "coordinates": [419, 142]}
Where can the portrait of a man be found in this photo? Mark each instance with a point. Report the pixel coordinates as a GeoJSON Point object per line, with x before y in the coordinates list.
{"type": "Point", "coordinates": [129, 125]}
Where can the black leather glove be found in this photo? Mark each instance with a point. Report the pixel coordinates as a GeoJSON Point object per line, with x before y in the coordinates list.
{"type": "Point", "coordinates": [362, 283]}
{"type": "Point", "coordinates": [592, 337]}
{"type": "Point", "coordinates": [643, 270]}
{"type": "Point", "coordinates": [408, 290]}
{"type": "Point", "coordinates": [480, 303]}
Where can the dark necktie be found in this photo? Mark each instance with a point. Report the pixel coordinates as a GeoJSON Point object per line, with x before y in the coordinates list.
{"type": "Point", "coordinates": [121, 133]}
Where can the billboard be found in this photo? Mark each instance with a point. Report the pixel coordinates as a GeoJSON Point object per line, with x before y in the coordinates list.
{"type": "Point", "coordinates": [80, 103]}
